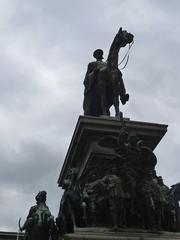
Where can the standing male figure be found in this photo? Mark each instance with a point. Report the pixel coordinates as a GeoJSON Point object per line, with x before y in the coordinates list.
{"type": "Point", "coordinates": [91, 79]}
{"type": "Point", "coordinates": [115, 197]}
{"type": "Point", "coordinates": [39, 224]}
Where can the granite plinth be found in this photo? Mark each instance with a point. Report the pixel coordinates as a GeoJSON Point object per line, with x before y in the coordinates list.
{"type": "Point", "coordinates": [83, 148]}
{"type": "Point", "coordinates": [128, 234]}
{"type": "Point", "coordinates": [11, 236]}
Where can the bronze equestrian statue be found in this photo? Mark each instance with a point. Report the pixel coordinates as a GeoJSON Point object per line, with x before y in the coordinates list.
{"type": "Point", "coordinates": [103, 81]}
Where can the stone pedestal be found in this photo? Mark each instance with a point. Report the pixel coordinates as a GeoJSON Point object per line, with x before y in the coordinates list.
{"type": "Point", "coordinates": [85, 154]}
{"type": "Point", "coordinates": [109, 174]}
{"type": "Point", "coordinates": [128, 234]}
{"type": "Point", "coordinates": [11, 236]}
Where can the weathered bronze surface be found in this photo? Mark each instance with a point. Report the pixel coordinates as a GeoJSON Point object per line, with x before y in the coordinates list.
{"type": "Point", "coordinates": [103, 81]}
{"type": "Point", "coordinates": [109, 174]}
{"type": "Point", "coordinates": [83, 148]}
{"type": "Point", "coordinates": [120, 191]}
{"type": "Point", "coordinates": [39, 224]}
{"type": "Point", "coordinates": [110, 179]}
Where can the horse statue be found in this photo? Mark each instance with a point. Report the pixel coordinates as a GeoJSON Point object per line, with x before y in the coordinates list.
{"type": "Point", "coordinates": [103, 81]}
{"type": "Point", "coordinates": [39, 224]}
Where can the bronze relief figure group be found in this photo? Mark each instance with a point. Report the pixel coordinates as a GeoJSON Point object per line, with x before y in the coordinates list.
{"type": "Point", "coordinates": [126, 194]}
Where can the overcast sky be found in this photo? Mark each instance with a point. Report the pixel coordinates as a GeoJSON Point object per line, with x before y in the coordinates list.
{"type": "Point", "coordinates": [45, 47]}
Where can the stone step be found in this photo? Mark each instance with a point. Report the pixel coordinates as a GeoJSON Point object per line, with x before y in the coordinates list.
{"type": "Point", "coordinates": [128, 234]}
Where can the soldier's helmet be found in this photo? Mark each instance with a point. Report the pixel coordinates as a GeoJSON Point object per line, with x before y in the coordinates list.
{"type": "Point", "coordinates": [98, 54]}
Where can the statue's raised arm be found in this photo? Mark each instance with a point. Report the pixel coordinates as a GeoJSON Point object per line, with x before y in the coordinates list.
{"type": "Point", "coordinates": [103, 81]}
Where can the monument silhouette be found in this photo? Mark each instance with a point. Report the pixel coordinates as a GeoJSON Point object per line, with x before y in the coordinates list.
{"type": "Point", "coordinates": [111, 187]}
{"type": "Point", "coordinates": [109, 177]}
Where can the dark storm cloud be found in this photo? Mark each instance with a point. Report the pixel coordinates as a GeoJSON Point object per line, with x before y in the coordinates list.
{"type": "Point", "coordinates": [45, 48]}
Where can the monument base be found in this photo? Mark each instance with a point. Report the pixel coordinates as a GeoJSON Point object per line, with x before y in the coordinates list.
{"type": "Point", "coordinates": [109, 179]}
{"type": "Point", "coordinates": [83, 149]}
{"type": "Point", "coordinates": [124, 234]}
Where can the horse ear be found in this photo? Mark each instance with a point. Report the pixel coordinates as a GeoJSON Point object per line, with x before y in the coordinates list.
{"type": "Point", "coordinates": [120, 30]}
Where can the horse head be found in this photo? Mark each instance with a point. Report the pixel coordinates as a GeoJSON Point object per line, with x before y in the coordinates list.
{"type": "Point", "coordinates": [125, 37]}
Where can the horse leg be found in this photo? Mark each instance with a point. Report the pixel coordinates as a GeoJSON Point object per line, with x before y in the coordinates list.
{"type": "Point", "coordinates": [118, 113]}
{"type": "Point", "coordinates": [103, 94]}
{"type": "Point", "coordinates": [115, 91]}
{"type": "Point", "coordinates": [105, 111]}
{"type": "Point", "coordinates": [116, 105]}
